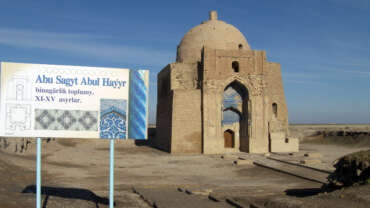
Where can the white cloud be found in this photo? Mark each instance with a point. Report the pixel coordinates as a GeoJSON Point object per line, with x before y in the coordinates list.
{"type": "Point", "coordinates": [87, 45]}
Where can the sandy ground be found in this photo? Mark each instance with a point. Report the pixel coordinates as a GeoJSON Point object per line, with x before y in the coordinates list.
{"type": "Point", "coordinates": [77, 173]}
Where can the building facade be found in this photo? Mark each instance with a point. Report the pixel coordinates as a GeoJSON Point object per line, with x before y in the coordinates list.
{"type": "Point", "coordinates": [221, 96]}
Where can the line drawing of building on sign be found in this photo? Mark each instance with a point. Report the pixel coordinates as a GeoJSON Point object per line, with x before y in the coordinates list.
{"type": "Point", "coordinates": [19, 89]}
{"type": "Point", "coordinates": [18, 117]}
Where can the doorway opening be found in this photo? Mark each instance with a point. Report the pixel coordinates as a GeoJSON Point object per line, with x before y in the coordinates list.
{"type": "Point", "coordinates": [229, 139]}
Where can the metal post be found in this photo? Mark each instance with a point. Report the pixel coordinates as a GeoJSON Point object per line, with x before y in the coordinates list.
{"type": "Point", "coordinates": [38, 173]}
{"type": "Point", "coordinates": [111, 175]}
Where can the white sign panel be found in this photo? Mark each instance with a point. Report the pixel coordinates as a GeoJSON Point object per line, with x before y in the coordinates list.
{"type": "Point", "coordinates": [71, 101]}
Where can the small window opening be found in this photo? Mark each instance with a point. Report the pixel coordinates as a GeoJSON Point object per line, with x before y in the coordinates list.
{"type": "Point", "coordinates": [235, 66]}
{"type": "Point", "coordinates": [274, 109]}
{"type": "Point", "coordinates": [286, 140]}
{"type": "Point", "coordinates": [240, 46]}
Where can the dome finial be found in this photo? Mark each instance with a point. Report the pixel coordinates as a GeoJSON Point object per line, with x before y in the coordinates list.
{"type": "Point", "coordinates": [213, 15]}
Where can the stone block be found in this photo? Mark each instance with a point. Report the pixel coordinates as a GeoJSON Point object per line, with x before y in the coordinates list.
{"type": "Point", "coordinates": [284, 145]}
{"type": "Point", "coordinates": [313, 155]}
{"type": "Point", "coordinates": [310, 161]}
{"type": "Point", "coordinates": [277, 135]}
{"type": "Point", "coordinates": [203, 192]}
{"type": "Point", "coordinates": [243, 162]}
{"type": "Point", "coordinates": [294, 144]}
{"type": "Point", "coordinates": [229, 157]}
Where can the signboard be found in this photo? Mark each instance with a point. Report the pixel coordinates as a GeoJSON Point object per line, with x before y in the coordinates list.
{"type": "Point", "coordinates": [73, 101]}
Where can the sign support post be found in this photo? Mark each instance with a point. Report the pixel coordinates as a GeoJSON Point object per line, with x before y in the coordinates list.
{"type": "Point", "coordinates": [111, 175]}
{"type": "Point", "coordinates": [38, 173]}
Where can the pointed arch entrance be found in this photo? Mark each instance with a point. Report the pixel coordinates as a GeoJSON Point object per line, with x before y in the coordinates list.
{"type": "Point", "coordinates": [235, 115]}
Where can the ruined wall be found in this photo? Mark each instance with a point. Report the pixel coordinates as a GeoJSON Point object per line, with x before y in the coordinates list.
{"type": "Point", "coordinates": [186, 118]}
{"type": "Point", "coordinates": [186, 122]}
{"type": "Point", "coordinates": [179, 124]}
{"type": "Point", "coordinates": [276, 95]}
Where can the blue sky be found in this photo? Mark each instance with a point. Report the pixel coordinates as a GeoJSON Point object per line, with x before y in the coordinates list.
{"type": "Point", "coordinates": [323, 45]}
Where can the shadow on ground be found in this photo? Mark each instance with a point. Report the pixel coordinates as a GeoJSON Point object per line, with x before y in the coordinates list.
{"type": "Point", "coordinates": [303, 192]}
{"type": "Point", "coordinates": [149, 141]}
{"type": "Point", "coordinates": [71, 193]}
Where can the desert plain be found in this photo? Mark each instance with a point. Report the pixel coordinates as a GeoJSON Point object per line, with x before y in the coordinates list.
{"type": "Point", "coordinates": [75, 173]}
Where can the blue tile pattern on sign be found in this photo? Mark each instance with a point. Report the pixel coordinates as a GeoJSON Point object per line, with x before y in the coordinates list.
{"type": "Point", "coordinates": [138, 105]}
{"type": "Point", "coordinates": [113, 118]}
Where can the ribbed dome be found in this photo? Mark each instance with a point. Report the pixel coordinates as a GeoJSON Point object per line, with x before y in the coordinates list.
{"type": "Point", "coordinates": [214, 34]}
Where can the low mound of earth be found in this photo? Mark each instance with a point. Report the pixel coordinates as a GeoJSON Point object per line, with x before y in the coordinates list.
{"type": "Point", "coordinates": [351, 169]}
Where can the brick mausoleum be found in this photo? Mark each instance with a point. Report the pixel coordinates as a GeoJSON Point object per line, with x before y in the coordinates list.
{"type": "Point", "coordinates": [221, 96]}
